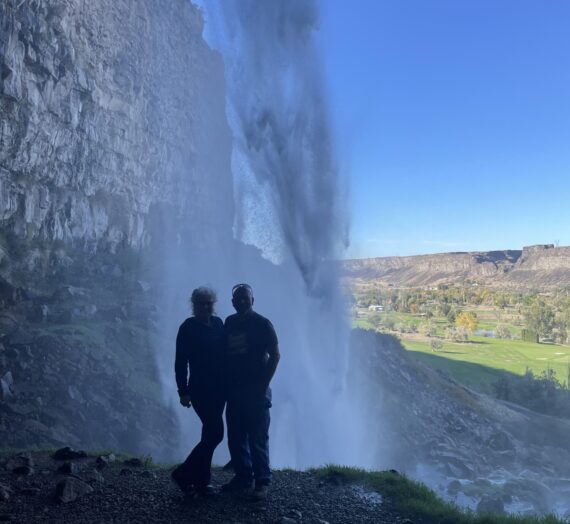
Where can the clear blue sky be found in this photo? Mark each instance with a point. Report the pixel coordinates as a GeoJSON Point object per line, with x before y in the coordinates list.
{"type": "Point", "coordinates": [453, 121]}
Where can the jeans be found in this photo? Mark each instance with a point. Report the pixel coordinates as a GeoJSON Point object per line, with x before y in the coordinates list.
{"type": "Point", "coordinates": [209, 406]}
{"type": "Point", "coordinates": [247, 418]}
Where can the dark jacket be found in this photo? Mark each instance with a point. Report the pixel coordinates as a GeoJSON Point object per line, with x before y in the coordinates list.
{"type": "Point", "coordinates": [200, 349]}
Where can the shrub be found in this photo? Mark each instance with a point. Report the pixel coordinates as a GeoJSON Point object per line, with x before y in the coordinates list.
{"type": "Point", "coordinates": [436, 344]}
{"type": "Point", "coordinates": [456, 334]}
{"type": "Point", "coordinates": [428, 329]}
{"type": "Point", "coordinates": [502, 331]}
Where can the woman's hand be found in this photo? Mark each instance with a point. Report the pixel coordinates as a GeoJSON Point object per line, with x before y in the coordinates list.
{"type": "Point", "coordinates": [185, 401]}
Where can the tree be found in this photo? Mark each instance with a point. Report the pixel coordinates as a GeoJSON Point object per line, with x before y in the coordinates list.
{"type": "Point", "coordinates": [467, 320]}
{"type": "Point", "coordinates": [451, 316]}
{"type": "Point", "coordinates": [539, 317]}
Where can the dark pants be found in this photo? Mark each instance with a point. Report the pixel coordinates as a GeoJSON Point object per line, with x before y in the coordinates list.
{"type": "Point", "coordinates": [247, 418]}
{"type": "Point", "coordinates": [209, 406]}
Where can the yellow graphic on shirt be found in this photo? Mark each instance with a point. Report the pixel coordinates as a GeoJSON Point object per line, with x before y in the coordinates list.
{"type": "Point", "coordinates": [237, 344]}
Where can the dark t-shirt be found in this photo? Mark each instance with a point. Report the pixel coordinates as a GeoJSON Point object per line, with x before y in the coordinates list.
{"type": "Point", "coordinates": [201, 348]}
{"type": "Point", "coordinates": [248, 339]}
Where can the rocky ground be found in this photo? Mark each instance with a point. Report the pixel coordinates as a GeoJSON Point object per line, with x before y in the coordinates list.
{"type": "Point", "coordinates": [36, 487]}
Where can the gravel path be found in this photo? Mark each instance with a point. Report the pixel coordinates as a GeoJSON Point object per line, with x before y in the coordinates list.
{"type": "Point", "coordinates": [135, 493]}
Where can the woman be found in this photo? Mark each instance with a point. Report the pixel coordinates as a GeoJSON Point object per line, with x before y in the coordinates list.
{"type": "Point", "coordinates": [200, 347]}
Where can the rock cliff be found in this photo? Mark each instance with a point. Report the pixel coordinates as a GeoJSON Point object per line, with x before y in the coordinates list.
{"type": "Point", "coordinates": [113, 143]}
{"type": "Point", "coordinates": [103, 107]}
{"type": "Point", "coordinates": [535, 267]}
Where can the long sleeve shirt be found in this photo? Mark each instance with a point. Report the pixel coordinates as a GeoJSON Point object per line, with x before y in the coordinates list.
{"type": "Point", "coordinates": [199, 361]}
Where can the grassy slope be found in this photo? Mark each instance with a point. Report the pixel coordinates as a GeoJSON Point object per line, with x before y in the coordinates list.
{"type": "Point", "coordinates": [415, 501]}
{"type": "Point", "coordinates": [479, 362]}
{"type": "Point", "coordinates": [489, 356]}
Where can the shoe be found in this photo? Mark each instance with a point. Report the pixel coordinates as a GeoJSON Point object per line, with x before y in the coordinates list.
{"type": "Point", "coordinates": [260, 492]}
{"type": "Point", "coordinates": [206, 491]}
{"type": "Point", "coordinates": [178, 478]}
{"type": "Point", "coordinates": [237, 486]}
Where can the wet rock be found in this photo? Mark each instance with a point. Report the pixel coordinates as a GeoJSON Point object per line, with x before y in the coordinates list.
{"type": "Point", "coordinates": [136, 462]}
{"type": "Point", "coordinates": [287, 520]}
{"type": "Point", "coordinates": [67, 293]}
{"type": "Point", "coordinates": [5, 492]}
{"type": "Point", "coordinates": [501, 441]}
{"type": "Point", "coordinates": [8, 324]}
{"type": "Point", "coordinates": [23, 470]}
{"type": "Point", "coordinates": [143, 286]}
{"type": "Point", "coordinates": [71, 488]}
{"type": "Point", "coordinates": [294, 514]}
{"type": "Point", "coordinates": [21, 337]}
{"type": "Point", "coordinates": [30, 491]}
{"type": "Point", "coordinates": [75, 394]}
{"type": "Point", "coordinates": [95, 477]}
{"type": "Point", "coordinates": [69, 468]}
{"type": "Point", "coordinates": [68, 453]}
{"type": "Point", "coordinates": [19, 461]}
{"type": "Point", "coordinates": [6, 384]}
{"type": "Point", "coordinates": [454, 487]}
{"type": "Point", "coordinates": [125, 472]}
{"type": "Point", "coordinates": [491, 504]}
{"type": "Point", "coordinates": [103, 461]}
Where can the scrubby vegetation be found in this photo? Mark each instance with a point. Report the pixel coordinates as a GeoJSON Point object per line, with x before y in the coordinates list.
{"type": "Point", "coordinates": [512, 345]}
{"type": "Point", "coordinates": [416, 501]}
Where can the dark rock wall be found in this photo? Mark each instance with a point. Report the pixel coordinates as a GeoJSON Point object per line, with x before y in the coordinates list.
{"type": "Point", "coordinates": [108, 111]}
{"type": "Point", "coordinates": [114, 146]}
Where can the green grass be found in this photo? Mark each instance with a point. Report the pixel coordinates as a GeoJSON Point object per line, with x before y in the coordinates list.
{"type": "Point", "coordinates": [479, 362]}
{"type": "Point", "coordinates": [416, 501]}
{"type": "Point", "coordinates": [491, 356]}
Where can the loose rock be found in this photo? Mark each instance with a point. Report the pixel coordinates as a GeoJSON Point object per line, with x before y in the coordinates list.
{"type": "Point", "coordinates": [71, 488]}
{"type": "Point", "coordinates": [68, 453]}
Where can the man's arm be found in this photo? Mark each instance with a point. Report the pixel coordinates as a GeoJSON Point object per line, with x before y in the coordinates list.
{"type": "Point", "coordinates": [271, 364]}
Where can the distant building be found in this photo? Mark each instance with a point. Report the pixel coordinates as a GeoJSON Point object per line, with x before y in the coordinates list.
{"type": "Point", "coordinates": [375, 307]}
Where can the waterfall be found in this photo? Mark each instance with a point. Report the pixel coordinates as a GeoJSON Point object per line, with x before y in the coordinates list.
{"type": "Point", "coordinates": [290, 224]}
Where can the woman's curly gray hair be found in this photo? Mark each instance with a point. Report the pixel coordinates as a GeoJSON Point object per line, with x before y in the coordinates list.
{"type": "Point", "coordinates": [202, 293]}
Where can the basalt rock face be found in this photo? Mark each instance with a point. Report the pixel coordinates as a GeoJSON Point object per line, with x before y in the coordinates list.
{"type": "Point", "coordinates": [538, 267]}
{"type": "Point", "coordinates": [103, 107]}
{"type": "Point", "coordinates": [113, 143]}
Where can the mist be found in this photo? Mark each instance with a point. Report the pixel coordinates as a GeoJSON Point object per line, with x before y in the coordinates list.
{"type": "Point", "coordinates": [289, 223]}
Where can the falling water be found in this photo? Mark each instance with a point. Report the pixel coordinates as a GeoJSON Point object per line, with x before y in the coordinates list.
{"type": "Point", "coordinates": [290, 223]}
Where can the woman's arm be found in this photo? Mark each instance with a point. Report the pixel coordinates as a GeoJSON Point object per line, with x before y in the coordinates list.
{"type": "Point", "coordinates": [181, 362]}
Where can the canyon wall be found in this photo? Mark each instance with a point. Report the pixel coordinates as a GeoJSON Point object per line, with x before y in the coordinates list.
{"type": "Point", "coordinates": [535, 267]}
{"type": "Point", "coordinates": [103, 106]}
{"type": "Point", "coordinates": [114, 150]}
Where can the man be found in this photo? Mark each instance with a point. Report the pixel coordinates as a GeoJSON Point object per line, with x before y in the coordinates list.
{"type": "Point", "coordinates": [251, 360]}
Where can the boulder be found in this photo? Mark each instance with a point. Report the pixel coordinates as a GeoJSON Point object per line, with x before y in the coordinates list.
{"type": "Point", "coordinates": [95, 477]}
{"type": "Point", "coordinates": [69, 468]}
{"type": "Point", "coordinates": [8, 324]}
{"type": "Point", "coordinates": [5, 493]}
{"type": "Point", "coordinates": [68, 453]}
{"type": "Point", "coordinates": [70, 489]}
{"type": "Point", "coordinates": [491, 504]}
{"type": "Point", "coordinates": [6, 383]}
{"type": "Point", "coordinates": [136, 462]}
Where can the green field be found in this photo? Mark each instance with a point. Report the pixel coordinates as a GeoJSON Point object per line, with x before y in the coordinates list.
{"type": "Point", "coordinates": [479, 361]}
